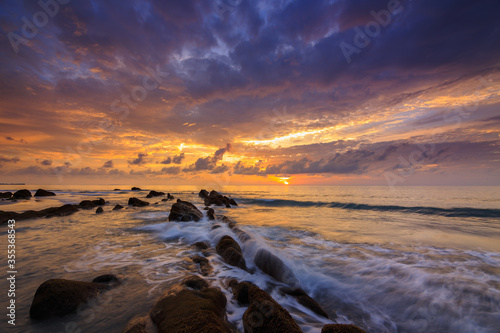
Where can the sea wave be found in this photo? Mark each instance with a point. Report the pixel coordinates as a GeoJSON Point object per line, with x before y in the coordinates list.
{"type": "Point", "coordinates": [449, 212]}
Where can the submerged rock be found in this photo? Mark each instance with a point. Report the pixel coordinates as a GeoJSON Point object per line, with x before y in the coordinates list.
{"type": "Point", "coordinates": [137, 325]}
{"type": "Point", "coordinates": [211, 214]}
{"type": "Point", "coordinates": [135, 189]}
{"type": "Point", "coordinates": [303, 298]}
{"type": "Point", "coordinates": [230, 251]}
{"type": "Point", "coordinates": [154, 194]}
{"type": "Point", "coordinates": [204, 265]}
{"type": "Point", "coordinates": [117, 207]}
{"type": "Point", "coordinates": [5, 195]}
{"type": "Point", "coordinates": [202, 310]}
{"type": "Point", "coordinates": [201, 245]}
{"type": "Point", "coordinates": [137, 202]}
{"type": "Point", "coordinates": [183, 211]}
{"type": "Point", "coordinates": [59, 297]}
{"type": "Point", "coordinates": [89, 204]}
{"type": "Point", "coordinates": [107, 278]}
{"type": "Point", "coordinates": [195, 282]}
{"type": "Point", "coordinates": [99, 210]}
{"type": "Point", "coordinates": [170, 196]}
{"type": "Point", "coordinates": [275, 267]}
{"type": "Point", "coordinates": [32, 214]}
{"type": "Point", "coordinates": [341, 328]}
{"type": "Point", "coordinates": [264, 314]}
{"type": "Point", "coordinates": [22, 194]}
{"type": "Point", "coordinates": [42, 193]}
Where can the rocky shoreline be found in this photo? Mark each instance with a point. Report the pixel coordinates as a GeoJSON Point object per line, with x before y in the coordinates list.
{"type": "Point", "coordinates": [194, 304]}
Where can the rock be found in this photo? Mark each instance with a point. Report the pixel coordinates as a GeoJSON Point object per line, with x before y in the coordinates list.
{"type": "Point", "coordinates": [5, 195]}
{"type": "Point", "coordinates": [89, 204]}
{"type": "Point", "coordinates": [42, 193]}
{"type": "Point", "coordinates": [99, 210]}
{"type": "Point", "coordinates": [183, 211]}
{"type": "Point", "coordinates": [271, 316]}
{"type": "Point", "coordinates": [275, 267]}
{"type": "Point", "coordinates": [215, 226]}
{"type": "Point", "coordinates": [170, 196]}
{"type": "Point", "coordinates": [211, 214]}
{"type": "Point", "coordinates": [59, 297]}
{"type": "Point", "coordinates": [341, 328]}
{"type": "Point", "coordinates": [195, 282]}
{"type": "Point", "coordinates": [191, 311]}
{"type": "Point", "coordinates": [137, 202]}
{"type": "Point", "coordinates": [137, 325]}
{"type": "Point", "coordinates": [154, 194]}
{"type": "Point", "coordinates": [228, 221]}
{"type": "Point", "coordinates": [64, 210]}
{"type": "Point", "coordinates": [116, 189]}
{"type": "Point", "coordinates": [108, 279]}
{"type": "Point", "coordinates": [117, 207]}
{"type": "Point", "coordinates": [22, 194]}
{"type": "Point", "coordinates": [304, 299]}
{"type": "Point", "coordinates": [232, 202]}
{"type": "Point", "coordinates": [204, 265]}
{"type": "Point", "coordinates": [135, 189]}
{"type": "Point", "coordinates": [203, 194]}
{"type": "Point", "coordinates": [230, 251]}
{"type": "Point", "coordinates": [201, 245]}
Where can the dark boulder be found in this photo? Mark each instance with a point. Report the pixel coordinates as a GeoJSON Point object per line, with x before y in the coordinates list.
{"type": "Point", "coordinates": [42, 193]}
{"type": "Point", "coordinates": [89, 204]}
{"type": "Point", "coordinates": [22, 194]}
{"type": "Point", "coordinates": [304, 299]}
{"type": "Point", "coordinates": [275, 267]}
{"type": "Point", "coordinates": [5, 195]}
{"type": "Point", "coordinates": [201, 245]}
{"type": "Point", "coordinates": [211, 214]}
{"type": "Point", "coordinates": [203, 264]}
{"type": "Point", "coordinates": [107, 279]}
{"type": "Point", "coordinates": [341, 328]}
{"type": "Point", "coordinates": [61, 211]}
{"type": "Point", "coordinates": [137, 202]}
{"type": "Point", "coordinates": [170, 196]}
{"type": "Point", "coordinates": [195, 282]}
{"type": "Point", "coordinates": [135, 189]}
{"type": "Point", "coordinates": [203, 194]}
{"type": "Point", "coordinates": [59, 297]}
{"type": "Point", "coordinates": [99, 210]}
{"type": "Point", "coordinates": [232, 202]}
{"type": "Point", "coordinates": [117, 207]}
{"type": "Point", "coordinates": [183, 211]}
{"type": "Point", "coordinates": [230, 251]}
{"type": "Point", "coordinates": [154, 194]}
{"type": "Point", "coordinates": [137, 325]}
{"type": "Point", "coordinates": [228, 221]}
{"type": "Point", "coordinates": [271, 316]}
{"type": "Point", "coordinates": [191, 311]}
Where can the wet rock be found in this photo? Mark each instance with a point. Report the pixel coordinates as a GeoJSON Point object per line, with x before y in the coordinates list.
{"type": "Point", "coordinates": [275, 267]}
{"type": "Point", "coordinates": [211, 214]}
{"type": "Point", "coordinates": [22, 194]}
{"type": "Point", "coordinates": [271, 316]}
{"type": "Point", "coordinates": [232, 202]}
{"type": "Point", "coordinates": [64, 210]}
{"type": "Point", "coordinates": [201, 245]}
{"type": "Point", "coordinates": [341, 328]}
{"type": "Point", "coordinates": [137, 202]}
{"type": "Point", "coordinates": [215, 226]}
{"type": "Point", "coordinates": [137, 325]}
{"type": "Point", "coordinates": [116, 189]}
{"type": "Point", "coordinates": [228, 221]}
{"type": "Point", "coordinates": [135, 189]}
{"type": "Point", "coordinates": [170, 196]}
{"type": "Point", "coordinates": [89, 204]}
{"type": "Point", "coordinates": [203, 194]}
{"type": "Point", "coordinates": [42, 193]}
{"type": "Point", "coordinates": [183, 211]}
{"type": "Point", "coordinates": [203, 264]}
{"type": "Point", "coordinates": [117, 207]}
{"type": "Point", "coordinates": [154, 194]}
{"type": "Point", "coordinates": [304, 299]}
{"type": "Point", "coordinates": [215, 198]}
{"type": "Point", "coordinates": [191, 311]}
{"type": "Point", "coordinates": [99, 210]}
{"type": "Point", "coordinates": [59, 297]}
{"type": "Point", "coordinates": [195, 282]}
{"type": "Point", "coordinates": [5, 195]}
{"type": "Point", "coordinates": [230, 251]}
{"type": "Point", "coordinates": [108, 279]}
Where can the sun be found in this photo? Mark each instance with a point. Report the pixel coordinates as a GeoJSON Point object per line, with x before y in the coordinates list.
{"type": "Point", "coordinates": [282, 180]}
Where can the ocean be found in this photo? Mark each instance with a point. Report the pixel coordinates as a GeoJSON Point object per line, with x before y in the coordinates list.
{"type": "Point", "coordinates": [406, 259]}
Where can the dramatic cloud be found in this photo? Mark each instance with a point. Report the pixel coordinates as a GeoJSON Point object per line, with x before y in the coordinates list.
{"type": "Point", "coordinates": [340, 89]}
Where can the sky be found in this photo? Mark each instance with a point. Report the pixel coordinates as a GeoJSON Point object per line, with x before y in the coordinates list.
{"type": "Point", "coordinates": [239, 92]}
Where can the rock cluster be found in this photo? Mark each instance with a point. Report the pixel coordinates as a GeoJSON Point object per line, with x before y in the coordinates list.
{"type": "Point", "coordinates": [214, 198]}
